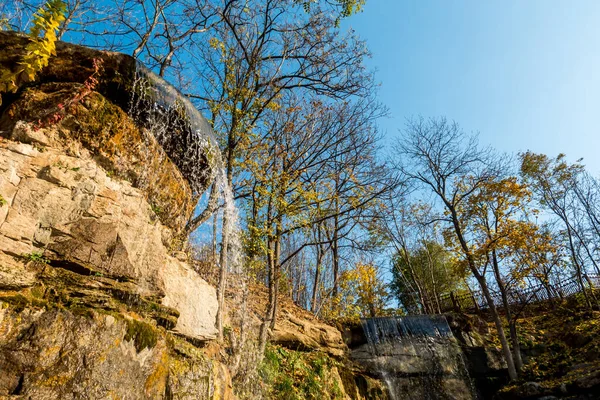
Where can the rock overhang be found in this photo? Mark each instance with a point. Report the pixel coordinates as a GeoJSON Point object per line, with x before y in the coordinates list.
{"type": "Point", "coordinates": [190, 143]}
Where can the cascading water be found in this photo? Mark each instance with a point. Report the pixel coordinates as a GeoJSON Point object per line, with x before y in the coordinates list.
{"type": "Point", "coordinates": [418, 358]}
{"type": "Point", "coordinates": [187, 138]}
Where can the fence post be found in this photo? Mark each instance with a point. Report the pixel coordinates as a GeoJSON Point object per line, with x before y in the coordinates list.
{"type": "Point", "coordinates": [475, 302]}
{"type": "Point", "coordinates": [454, 302]}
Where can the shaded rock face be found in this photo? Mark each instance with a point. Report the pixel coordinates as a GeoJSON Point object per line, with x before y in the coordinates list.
{"type": "Point", "coordinates": [58, 354]}
{"type": "Point", "coordinates": [103, 131]}
{"type": "Point", "coordinates": [417, 357]}
{"type": "Point", "coordinates": [484, 359]}
{"type": "Point", "coordinates": [417, 369]}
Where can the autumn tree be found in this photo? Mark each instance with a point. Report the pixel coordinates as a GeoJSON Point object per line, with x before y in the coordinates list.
{"type": "Point", "coordinates": [501, 232]}
{"type": "Point", "coordinates": [429, 267]}
{"type": "Point", "coordinates": [559, 189]}
{"type": "Point", "coordinates": [543, 255]}
{"type": "Point", "coordinates": [362, 292]}
{"type": "Point", "coordinates": [290, 184]}
{"type": "Point", "coordinates": [440, 158]}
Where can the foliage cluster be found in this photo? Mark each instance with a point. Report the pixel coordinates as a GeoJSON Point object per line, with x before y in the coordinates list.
{"type": "Point", "coordinates": [45, 24]}
{"type": "Point", "coordinates": [35, 257]}
{"type": "Point", "coordinates": [422, 275]}
{"type": "Point", "coordinates": [362, 293]}
{"type": "Point", "coordinates": [294, 375]}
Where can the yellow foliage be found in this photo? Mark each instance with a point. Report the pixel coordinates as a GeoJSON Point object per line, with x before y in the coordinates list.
{"type": "Point", "coordinates": [361, 293]}
{"type": "Point", "coordinates": [46, 22]}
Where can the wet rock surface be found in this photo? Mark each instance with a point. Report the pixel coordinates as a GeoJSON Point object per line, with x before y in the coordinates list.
{"type": "Point", "coordinates": [417, 357]}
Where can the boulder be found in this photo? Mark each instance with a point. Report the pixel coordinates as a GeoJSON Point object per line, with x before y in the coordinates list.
{"type": "Point", "coordinates": [295, 332]}
{"type": "Point", "coordinates": [195, 300]}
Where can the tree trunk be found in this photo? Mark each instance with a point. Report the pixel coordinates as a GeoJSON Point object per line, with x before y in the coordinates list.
{"type": "Point", "coordinates": [315, 292]}
{"type": "Point", "coordinates": [512, 372]}
{"type": "Point", "coordinates": [264, 327]}
{"type": "Point", "coordinates": [222, 275]}
{"type": "Point", "coordinates": [514, 338]}
{"type": "Point", "coordinates": [275, 285]}
{"type": "Point", "coordinates": [578, 270]}
{"type": "Point", "coordinates": [512, 323]}
{"type": "Point", "coordinates": [214, 238]}
{"type": "Point", "coordinates": [335, 255]}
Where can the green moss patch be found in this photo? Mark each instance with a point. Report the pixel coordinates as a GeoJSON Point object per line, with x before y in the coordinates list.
{"type": "Point", "coordinates": [143, 335]}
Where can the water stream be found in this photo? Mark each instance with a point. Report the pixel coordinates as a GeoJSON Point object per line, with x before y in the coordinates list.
{"type": "Point", "coordinates": [188, 140]}
{"type": "Point", "coordinates": [417, 357]}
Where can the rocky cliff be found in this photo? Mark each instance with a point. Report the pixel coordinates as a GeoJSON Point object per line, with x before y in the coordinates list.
{"type": "Point", "coordinates": [97, 298]}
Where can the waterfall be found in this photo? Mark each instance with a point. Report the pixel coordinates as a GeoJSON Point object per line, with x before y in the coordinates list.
{"type": "Point", "coordinates": [188, 140]}
{"type": "Point", "coordinates": [180, 129]}
{"type": "Point", "coordinates": [417, 357]}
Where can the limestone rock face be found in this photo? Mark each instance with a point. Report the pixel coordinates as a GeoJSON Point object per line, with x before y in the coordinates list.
{"type": "Point", "coordinates": [99, 129]}
{"type": "Point", "coordinates": [13, 273]}
{"type": "Point", "coordinates": [295, 332]}
{"type": "Point", "coordinates": [195, 299]}
{"type": "Point", "coordinates": [69, 209]}
{"type": "Point", "coordinates": [295, 328]}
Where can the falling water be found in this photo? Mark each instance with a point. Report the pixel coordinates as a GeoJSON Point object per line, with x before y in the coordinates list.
{"type": "Point", "coordinates": [181, 130]}
{"type": "Point", "coordinates": [418, 358]}
{"type": "Point", "coordinates": [188, 139]}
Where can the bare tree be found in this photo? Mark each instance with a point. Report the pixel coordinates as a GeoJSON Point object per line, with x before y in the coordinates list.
{"type": "Point", "coordinates": [437, 155]}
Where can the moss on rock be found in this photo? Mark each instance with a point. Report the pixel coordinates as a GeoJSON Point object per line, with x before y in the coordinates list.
{"type": "Point", "coordinates": [119, 146]}
{"type": "Point", "coordinates": [143, 334]}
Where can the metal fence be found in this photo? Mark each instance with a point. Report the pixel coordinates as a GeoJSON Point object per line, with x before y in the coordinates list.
{"type": "Point", "coordinates": [475, 300]}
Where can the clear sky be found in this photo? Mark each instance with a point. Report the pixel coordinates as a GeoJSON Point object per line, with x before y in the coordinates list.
{"type": "Point", "coordinates": [525, 74]}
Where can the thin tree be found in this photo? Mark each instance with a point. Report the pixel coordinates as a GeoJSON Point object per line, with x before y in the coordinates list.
{"type": "Point", "coordinates": [437, 155]}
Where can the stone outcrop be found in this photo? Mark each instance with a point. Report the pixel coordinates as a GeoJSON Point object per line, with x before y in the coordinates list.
{"type": "Point", "coordinates": [96, 300]}
{"type": "Point", "coordinates": [295, 328]}
{"type": "Point", "coordinates": [293, 331]}
{"type": "Point", "coordinates": [115, 77]}
{"type": "Point", "coordinates": [54, 353]}
{"type": "Point", "coordinates": [70, 212]}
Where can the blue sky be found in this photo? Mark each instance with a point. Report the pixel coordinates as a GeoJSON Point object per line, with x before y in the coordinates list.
{"type": "Point", "coordinates": [524, 74]}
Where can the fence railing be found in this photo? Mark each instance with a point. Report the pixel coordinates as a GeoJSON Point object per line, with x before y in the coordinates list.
{"type": "Point", "coordinates": [475, 300]}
